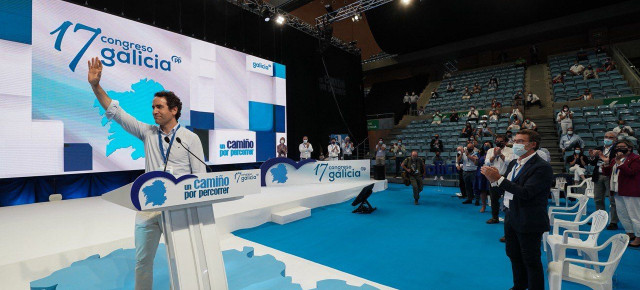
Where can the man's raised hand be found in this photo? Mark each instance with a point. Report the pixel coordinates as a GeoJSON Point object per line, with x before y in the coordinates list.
{"type": "Point", "coordinates": [95, 71]}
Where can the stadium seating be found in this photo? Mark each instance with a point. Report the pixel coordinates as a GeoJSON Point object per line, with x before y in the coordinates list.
{"type": "Point", "coordinates": [608, 84]}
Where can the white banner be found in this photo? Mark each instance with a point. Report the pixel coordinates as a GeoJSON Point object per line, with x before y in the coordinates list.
{"type": "Point", "coordinates": [259, 65]}
{"type": "Point", "coordinates": [284, 171]}
{"type": "Point", "coordinates": [232, 146]}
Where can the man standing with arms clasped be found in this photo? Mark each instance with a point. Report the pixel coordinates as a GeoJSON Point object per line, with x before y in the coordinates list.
{"type": "Point", "coordinates": [526, 185]}
{"type": "Point", "coordinates": [166, 109]}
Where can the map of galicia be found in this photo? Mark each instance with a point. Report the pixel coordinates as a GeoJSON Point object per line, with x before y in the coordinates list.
{"type": "Point", "coordinates": [155, 194]}
{"type": "Point", "coordinates": [137, 103]}
{"type": "Point", "coordinates": [279, 173]}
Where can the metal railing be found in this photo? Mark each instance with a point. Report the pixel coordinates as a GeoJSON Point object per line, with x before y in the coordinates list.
{"type": "Point", "coordinates": [362, 148]}
{"type": "Point", "coordinates": [381, 116]}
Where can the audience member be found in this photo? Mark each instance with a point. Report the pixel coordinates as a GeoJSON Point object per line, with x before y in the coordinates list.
{"type": "Point", "coordinates": [584, 97]}
{"type": "Point", "coordinates": [436, 144]}
{"type": "Point", "coordinates": [528, 124]}
{"type": "Point", "coordinates": [406, 100]}
{"type": "Point", "coordinates": [515, 126]}
{"type": "Point", "coordinates": [515, 114]}
{"type": "Point", "coordinates": [499, 157]}
{"type": "Point", "coordinates": [601, 182]}
{"type": "Point", "coordinates": [473, 141]}
{"type": "Point", "coordinates": [624, 170]}
{"type": "Point", "coordinates": [450, 87]}
{"type": "Point", "coordinates": [624, 131]}
{"type": "Point", "coordinates": [434, 94]}
{"type": "Point", "coordinates": [420, 111]}
{"type": "Point", "coordinates": [414, 167]}
{"type": "Point", "coordinates": [544, 154]}
{"type": "Point", "coordinates": [333, 150]}
{"type": "Point", "coordinates": [608, 65]}
{"type": "Point", "coordinates": [495, 103]}
{"type": "Point", "coordinates": [381, 152]}
{"type": "Point", "coordinates": [473, 114]}
{"type": "Point", "coordinates": [559, 78]}
{"type": "Point", "coordinates": [414, 104]}
{"type": "Point", "coordinates": [494, 114]}
{"type": "Point", "coordinates": [477, 88]}
{"type": "Point", "coordinates": [305, 148]}
{"type": "Point", "coordinates": [577, 164]}
{"type": "Point", "coordinates": [468, 158]}
{"type": "Point", "coordinates": [281, 149]}
{"type": "Point", "coordinates": [481, 187]}
{"type": "Point", "coordinates": [565, 118]}
{"type": "Point", "coordinates": [518, 98]}
{"type": "Point", "coordinates": [437, 118]}
{"type": "Point", "coordinates": [576, 69]}
{"type": "Point", "coordinates": [467, 131]}
{"type": "Point", "coordinates": [493, 83]}
{"type": "Point", "coordinates": [454, 117]}
{"type": "Point", "coordinates": [347, 149]}
{"type": "Point", "coordinates": [589, 73]}
{"type": "Point", "coordinates": [459, 167]}
{"type": "Point", "coordinates": [570, 141]}
{"type": "Point", "coordinates": [400, 152]}
{"type": "Point", "coordinates": [466, 94]}
{"type": "Point", "coordinates": [532, 99]}
{"type": "Point", "coordinates": [484, 130]}
{"type": "Point", "coordinates": [437, 161]}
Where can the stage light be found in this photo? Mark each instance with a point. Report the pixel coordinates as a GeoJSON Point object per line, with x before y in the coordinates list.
{"type": "Point", "coordinates": [406, 2]}
{"type": "Point", "coordinates": [280, 19]}
{"type": "Point", "coordinates": [356, 18]}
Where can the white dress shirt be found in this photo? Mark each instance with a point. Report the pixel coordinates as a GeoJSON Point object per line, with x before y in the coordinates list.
{"type": "Point", "coordinates": [508, 196]}
{"type": "Point", "coordinates": [334, 150]}
{"type": "Point", "coordinates": [498, 162]}
{"type": "Point", "coordinates": [305, 150]}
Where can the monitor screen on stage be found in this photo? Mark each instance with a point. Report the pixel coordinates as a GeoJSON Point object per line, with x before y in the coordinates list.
{"type": "Point", "coordinates": [53, 124]}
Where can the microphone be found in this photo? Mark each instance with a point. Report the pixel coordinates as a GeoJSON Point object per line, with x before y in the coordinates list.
{"type": "Point", "coordinates": [185, 148]}
{"type": "Point", "coordinates": [166, 139]}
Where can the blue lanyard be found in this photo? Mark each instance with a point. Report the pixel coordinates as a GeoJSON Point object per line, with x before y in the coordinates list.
{"type": "Point", "coordinates": [515, 172]}
{"type": "Point", "coordinates": [164, 157]}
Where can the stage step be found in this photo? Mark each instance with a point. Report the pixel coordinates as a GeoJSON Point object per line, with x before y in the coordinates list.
{"type": "Point", "coordinates": [290, 215]}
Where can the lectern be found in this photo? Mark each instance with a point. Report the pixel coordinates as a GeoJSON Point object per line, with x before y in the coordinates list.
{"type": "Point", "coordinates": [193, 247]}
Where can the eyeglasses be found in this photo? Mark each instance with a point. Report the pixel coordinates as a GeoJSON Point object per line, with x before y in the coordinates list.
{"type": "Point", "coordinates": [520, 141]}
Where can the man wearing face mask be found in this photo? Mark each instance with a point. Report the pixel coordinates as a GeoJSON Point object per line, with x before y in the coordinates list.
{"type": "Point", "coordinates": [282, 148]}
{"type": "Point", "coordinates": [468, 158]}
{"type": "Point", "coordinates": [473, 114]}
{"type": "Point", "coordinates": [498, 157]}
{"type": "Point", "coordinates": [436, 144]}
{"type": "Point", "coordinates": [601, 182]}
{"type": "Point", "coordinates": [526, 185]}
{"type": "Point", "coordinates": [305, 149]}
{"type": "Point", "coordinates": [414, 167]}
{"type": "Point", "coordinates": [347, 149]}
{"type": "Point", "coordinates": [565, 118]}
{"type": "Point", "coordinates": [437, 118]}
{"type": "Point", "coordinates": [400, 153]}
{"type": "Point", "coordinates": [570, 141]}
{"type": "Point", "coordinates": [528, 124]}
{"type": "Point", "coordinates": [624, 131]}
{"type": "Point", "coordinates": [334, 150]}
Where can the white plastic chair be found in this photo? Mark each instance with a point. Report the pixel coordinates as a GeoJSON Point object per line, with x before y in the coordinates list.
{"type": "Point", "coordinates": [555, 196]}
{"type": "Point", "coordinates": [598, 220]}
{"type": "Point", "coordinates": [577, 210]}
{"type": "Point", "coordinates": [570, 188]}
{"type": "Point", "coordinates": [566, 269]}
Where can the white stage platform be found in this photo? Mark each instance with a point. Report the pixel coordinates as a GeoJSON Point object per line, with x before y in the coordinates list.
{"type": "Point", "coordinates": [38, 239]}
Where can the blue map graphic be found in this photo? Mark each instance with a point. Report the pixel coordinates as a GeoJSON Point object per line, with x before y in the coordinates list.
{"type": "Point", "coordinates": [155, 193]}
{"type": "Point", "coordinates": [279, 174]}
{"type": "Point", "coordinates": [137, 103]}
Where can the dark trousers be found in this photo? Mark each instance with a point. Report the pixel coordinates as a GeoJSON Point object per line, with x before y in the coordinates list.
{"type": "Point", "coordinates": [399, 160]}
{"type": "Point", "coordinates": [463, 190]}
{"type": "Point", "coordinates": [414, 109]}
{"type": "Point", "coordinates": [348, 157]}
{"type": "Point", "coordinates": [524, 251]}
{"type": "Point", "coordinates": [469, 178]}
{"type": "Point", "coordinates": [495, 194]}
{"type": "Point", "coordinates": [417, 184]}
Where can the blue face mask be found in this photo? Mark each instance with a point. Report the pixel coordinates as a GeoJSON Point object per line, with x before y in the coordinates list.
{"type": "Point", "coordinates": [519, 150]}
{"type": "Point", "coordinates": [608, 142]}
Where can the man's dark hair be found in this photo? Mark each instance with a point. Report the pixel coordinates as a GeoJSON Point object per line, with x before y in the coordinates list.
{"type": "Point", "coordinates": [504, 138]}
{"type": "Point", "coordinates": [533, 136]}
{"type": "Point", "coordinates": [172, 101]}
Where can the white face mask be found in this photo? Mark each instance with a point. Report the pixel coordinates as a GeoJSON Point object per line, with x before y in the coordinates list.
{"type": "Point", "coordinates": [305, 141]}
{"type": "Point", "coordinates": [281, 141]}
{"type": "Point", "coordinates": [519, 150]}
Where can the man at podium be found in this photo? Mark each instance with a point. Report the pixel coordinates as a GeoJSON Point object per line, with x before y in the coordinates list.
{"type": "Point", "coordinates": [160, 154]}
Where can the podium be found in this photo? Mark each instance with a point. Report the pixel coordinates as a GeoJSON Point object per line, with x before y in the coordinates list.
{"type": "Point", "coordinates": [193, 247]}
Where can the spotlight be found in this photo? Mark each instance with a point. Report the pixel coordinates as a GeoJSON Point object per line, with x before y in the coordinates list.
{"type": "Point", "coordinates": [406, 2]}
{"type": "Point", "coordinates": [280, 19]}
{"type": "Point", "coordinates": [355, 18]}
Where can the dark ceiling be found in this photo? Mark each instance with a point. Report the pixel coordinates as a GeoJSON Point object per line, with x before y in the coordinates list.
{"type": "Point", "coordinates": [424, 24]}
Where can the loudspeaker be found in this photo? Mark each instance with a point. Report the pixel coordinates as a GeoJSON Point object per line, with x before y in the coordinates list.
{"type": "Point", "coordinates": [379, 172]}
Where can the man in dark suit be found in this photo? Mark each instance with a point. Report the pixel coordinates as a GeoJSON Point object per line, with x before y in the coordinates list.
{"type": "Point", "coordinates": [526, 185]}
{"type": "Point", "coordinates": [597, 157]}
{"type": "Point", "coordinates": [436, 144]}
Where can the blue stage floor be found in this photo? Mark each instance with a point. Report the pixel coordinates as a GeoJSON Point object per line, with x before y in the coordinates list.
{"type": "Point", "coordinates": [439, 244]}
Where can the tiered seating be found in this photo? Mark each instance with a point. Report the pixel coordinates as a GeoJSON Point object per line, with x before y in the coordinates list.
{"type": "Point", "coordinates": [608, 84]}
{"type": "Point", "coordinates": [592, 122]}
{"type": "Point", "coordinates": [510, 79]}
